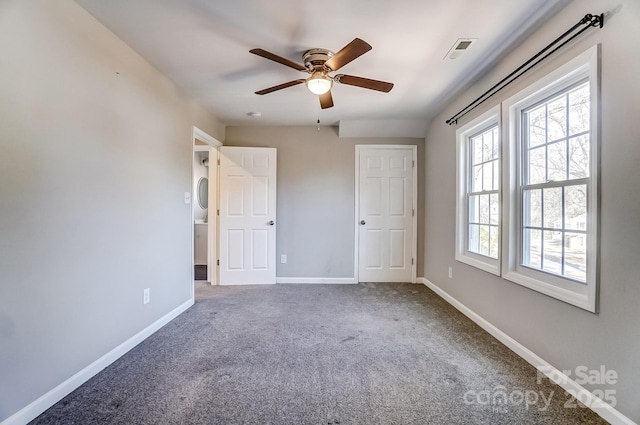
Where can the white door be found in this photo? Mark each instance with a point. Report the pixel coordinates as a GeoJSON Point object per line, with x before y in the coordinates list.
{"type": "Point", "coordinates": [386, 214]}
{"type": "Point", "coordinates": [247, 215]}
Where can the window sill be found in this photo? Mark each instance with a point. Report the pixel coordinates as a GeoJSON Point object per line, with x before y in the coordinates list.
{"type": "Point", "coordinates": [490, 265]}
{"type": "Point", "coordinates": [581, 296]}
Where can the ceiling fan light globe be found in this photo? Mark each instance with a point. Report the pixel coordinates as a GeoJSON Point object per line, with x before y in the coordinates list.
{"type": "Point", "coordinates": [319, 85]}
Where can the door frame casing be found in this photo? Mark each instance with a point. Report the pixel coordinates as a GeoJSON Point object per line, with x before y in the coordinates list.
{"type": "Point", "coordinates": [212, 145]}
{"type": "Point", "coordinates": [356, 221]}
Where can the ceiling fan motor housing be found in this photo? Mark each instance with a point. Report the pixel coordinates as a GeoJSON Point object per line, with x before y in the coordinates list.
{"type": "Point", "coordinates": [315, 58]}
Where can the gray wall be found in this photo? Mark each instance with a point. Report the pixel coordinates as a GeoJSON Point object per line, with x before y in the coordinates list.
{"type": "Point", "coordinates": [316, 195]}
{"type": "Point", "coordinates": [564, 335]}
{"type": "Point", "coordinates": [95, 157]}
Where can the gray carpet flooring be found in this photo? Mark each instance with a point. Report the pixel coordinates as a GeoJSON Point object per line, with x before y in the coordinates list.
{"type": "Point", "coordinates": [318, 354]}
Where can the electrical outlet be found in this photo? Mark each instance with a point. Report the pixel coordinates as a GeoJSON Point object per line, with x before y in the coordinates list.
{"type": "Point", "coordinates": [450, 272]}
{"type": "Point", "coordinates": [283, 258]}
{"type": "Point", "coordinates": [146, 296]}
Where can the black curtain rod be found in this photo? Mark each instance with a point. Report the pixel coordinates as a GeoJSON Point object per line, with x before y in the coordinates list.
{"type": "Point", "coordinates": [589, 20]}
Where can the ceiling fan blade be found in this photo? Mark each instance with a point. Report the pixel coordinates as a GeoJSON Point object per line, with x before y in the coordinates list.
{"type": "Point", "coordinates": [365, 83]}
{"type": "Point", "coordinates": [276, 58]}
{"type": "Point", "coordinates": [326, 100]}
{"type": "Point", "coordinates": [281, 86]}
{"type": "Point", "coordinates": [348, 53]}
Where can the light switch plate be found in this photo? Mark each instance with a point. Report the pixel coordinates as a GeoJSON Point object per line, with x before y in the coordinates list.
{"type": "Point", "coordinates": [187, 197]}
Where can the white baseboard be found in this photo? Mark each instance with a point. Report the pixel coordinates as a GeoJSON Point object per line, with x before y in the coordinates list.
{"type": "Point", "coordinates": [32, 410]}
{"type": "Point", "coordinates": [604, 410]}
{"type": "Point", "coordinates": [336, 280]}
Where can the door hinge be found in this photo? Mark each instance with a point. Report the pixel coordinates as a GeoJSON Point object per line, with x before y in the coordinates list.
{"type": "Point", "coordinates": [218, 162]}
{"type": "Point", "coordinates": [412, 261]}
{"type": "Point", "coordinates": [218, 212]}
{"type": "Point", "coordinates": [413, 164]}
{"type": "Point", "coordinates": [217, 262]}
{"type": "Point", "coordinates": [413, 213]}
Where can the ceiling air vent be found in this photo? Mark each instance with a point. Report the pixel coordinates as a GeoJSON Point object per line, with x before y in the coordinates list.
{"type": "Point", "coordinates": [459, 47]}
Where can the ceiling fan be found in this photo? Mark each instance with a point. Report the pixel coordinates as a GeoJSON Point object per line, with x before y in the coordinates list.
{"type": "Point", "coordinates": [319, 63]}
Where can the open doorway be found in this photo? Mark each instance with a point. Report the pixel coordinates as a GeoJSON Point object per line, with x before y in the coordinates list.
{"type": "Point", "coordinates": [201, 212]}
{"type": "Point", "coordinates": [204, 207]}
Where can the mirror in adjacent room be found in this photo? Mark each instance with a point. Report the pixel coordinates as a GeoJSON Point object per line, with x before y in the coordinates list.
{"type": "Point", "coordinates": [203, 193]}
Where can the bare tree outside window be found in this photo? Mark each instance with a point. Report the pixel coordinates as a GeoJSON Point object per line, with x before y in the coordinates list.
{"type": "Point", "coordinates": [554, 193]}
{"type": "Point", "coordinates": [482, 197]}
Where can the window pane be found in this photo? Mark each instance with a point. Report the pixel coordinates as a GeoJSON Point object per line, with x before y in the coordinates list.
{"type": "Point", "coordinates": [557, 118]}
{"type": "Point", "coordinates": [533, 208]}
{"type": "Point", "coordinates": [494, 209]}
{"type": "Point", "coordinates": [484, 240]}
{"type": "Point", "coordinates": [579, 157]}
{"type": "Point", "coordinates": [496, 144]}
{"type": "Point", "coordinates": [579, 110]}
{"type": "Point", "coordinates": [496, 175]}
{"type": "Point", "coordinates": [537, 165]}
{"type": "Point", "coordinates": [552, 207]}
{"type": "Point", "coordinates": [474, 238]}
{"type": "Point", "coordinates": [537, 126]}
{"type": "Point", "coordinates": [552, 246]}
{"type": "Point", "coordinates": [484, 209]}
{"type": "Point", "coordinates": [557, 154]}
{"type": "Point", "coordinates": [493, 244]}
{"type": "Point", "coordinates": [474, 208]}
{"type": "Point", "coordinates": [532, 248]}
{"type": "Point", "coordinates": [487, 146]}
{"type": "Point", "coordinates": [476, 149]}
{"type": "Point", "coordinates": [575, 251]}
{"type": "Point", "coordinates": [476, 181]}
{"type": "Point", "coordinates": [575, 207]}
{"type": "Point", "coordinates": [487, 174]}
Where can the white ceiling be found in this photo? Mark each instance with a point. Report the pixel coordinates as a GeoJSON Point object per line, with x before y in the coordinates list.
{"type": "Point", "coordinates": [203, 46]}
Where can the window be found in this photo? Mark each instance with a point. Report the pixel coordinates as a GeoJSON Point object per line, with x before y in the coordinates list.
{"type": "Point", "coordinates": [554, 190]}
{"type": "Point", "coordinates": [478, 193]}
{"type": "Point", "coordinates": [551, 202]}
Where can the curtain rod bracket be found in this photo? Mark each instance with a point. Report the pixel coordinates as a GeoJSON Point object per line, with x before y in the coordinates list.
{"type": "Point", "coordinates": [593, 20]}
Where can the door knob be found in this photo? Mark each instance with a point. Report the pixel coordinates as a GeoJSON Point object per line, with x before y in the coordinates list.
{"type": "Point", "coordinates": [271, 223]}
{"type": "Point", "coordinates": [363, 222]}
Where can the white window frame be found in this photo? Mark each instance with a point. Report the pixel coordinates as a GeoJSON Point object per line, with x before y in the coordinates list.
{"type": "Point", "coordinates": [463, 156]}
{"type": "Point", "coordinates": [584, 66]}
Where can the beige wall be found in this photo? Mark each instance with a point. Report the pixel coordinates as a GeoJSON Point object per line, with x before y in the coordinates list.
{"type": "Point", "coordinates": [562, 334]}
{"type": "Point", "coordinates": [95, 157]}
{"type": "Point", "coordinates": [316, 195]}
